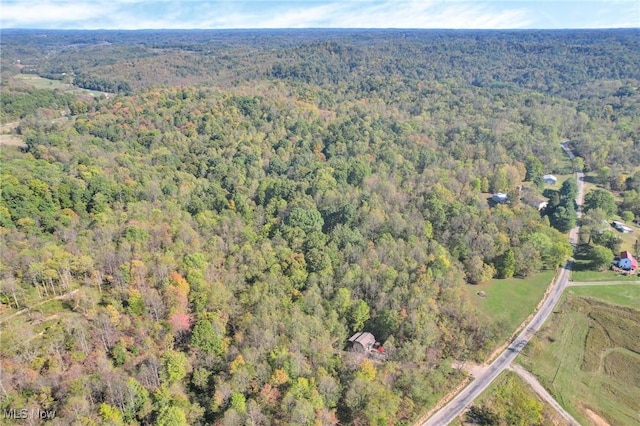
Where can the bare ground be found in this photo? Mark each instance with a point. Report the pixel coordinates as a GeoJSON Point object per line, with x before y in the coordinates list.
{"type": "Point", "coordinates": [596, 419]}
{"type": "Point", "coordinates": [7, 138]}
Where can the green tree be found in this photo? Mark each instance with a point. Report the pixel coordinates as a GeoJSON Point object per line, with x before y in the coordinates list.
{"type": "Point", "coordinates": [600, 256]}
{"type": "Point", "coordinates": [360, 313]}
{"type": "Point", "coordinates": [627, 216]}
{"type": "Point", "coordinates": [608, 238]}
{"type": "Point", "coordinates": [534, 168]}
{"type": "Point", "coordinates": [111, 414]}
{"type": "Point", "coordinates": [604, 173]}
{"type": "Point", "coordinates": [578, 164]}
{"type": "Point", "coordinates": [506, 264]}
{"type": "Point", "coordinates": [600, 199]}
{"type": "Point", "coordinates": [239, 402]}
{"type": "Point", "coordinates": [564, 218]}
{"type": "Point", "coordinates": [175, 366]}
{"type": "Point", "coordinates": [171, 416]}
{"type": "Point", "coordinates": [309, 220]}
{"type": "Point", "coordinates": [477, 271]}
{"type": "Point", "coordinates": [568, 191]}
{"type": "Point", "coordinates": [205, 337]}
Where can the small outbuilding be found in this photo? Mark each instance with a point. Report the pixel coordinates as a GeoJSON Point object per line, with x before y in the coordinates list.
{"type": "Point", "coordinates": [499, 198]}
{"type": "Point", "coordinates": [361, 342]}
{"type": "Point", "coordinates": [550, 179]}
{"type": "Point", "coordinates": [621, 227]}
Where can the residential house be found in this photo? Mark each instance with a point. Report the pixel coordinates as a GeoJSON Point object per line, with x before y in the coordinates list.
{"type": "Point", "coordinates": [530, 197]}
{"type": "Point", "coordinates": [361, 342]}
{"type": "Point", "coordinates": [627, 262]}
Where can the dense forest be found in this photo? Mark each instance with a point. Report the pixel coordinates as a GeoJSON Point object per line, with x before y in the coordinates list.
{"type": "Point", "coordinates": [198, 245]}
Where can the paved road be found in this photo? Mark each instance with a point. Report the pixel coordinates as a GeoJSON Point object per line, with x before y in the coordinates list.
{"type": "Point", "coordinates": [457, 405]}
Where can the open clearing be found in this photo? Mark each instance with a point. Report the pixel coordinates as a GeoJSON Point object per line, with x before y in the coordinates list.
{"type": "Point", "coordinates": [508, 302]}
{"type": "Point", "coordinates": [38, 82]}
{"type": "Point", "coordinates": [10, 139]}
{"type": "Point", "coordinates": [588, 356]}
{"type": "Point", "coordinates": [622, 294]}
{"type": "Point", "coordinates": [582, 274]}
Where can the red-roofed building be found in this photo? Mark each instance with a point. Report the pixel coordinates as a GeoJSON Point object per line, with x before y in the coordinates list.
{"type": "Point", "coordinates": [627, 262]}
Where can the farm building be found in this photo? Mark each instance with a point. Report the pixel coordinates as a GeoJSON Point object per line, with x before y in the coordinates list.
{"type": "Point", "coordinates": [361, 342]}
{"type": "Point", "coordinates": [550, 179]}
{"type": "Point", "coordinates": [627, 261]}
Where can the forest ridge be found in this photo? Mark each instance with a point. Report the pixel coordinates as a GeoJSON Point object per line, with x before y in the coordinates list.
{"type": "Point", "coordinates": [239, 203]}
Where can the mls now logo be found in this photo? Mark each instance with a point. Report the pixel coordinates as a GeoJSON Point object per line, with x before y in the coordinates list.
{"type": "Point", "coordinates": [23, 414]}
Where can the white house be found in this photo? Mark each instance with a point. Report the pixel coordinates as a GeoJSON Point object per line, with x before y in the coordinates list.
{"type": "Point", "coordinates": [627, 261]}
{"type": "Point", "coordinates": [550, 179]}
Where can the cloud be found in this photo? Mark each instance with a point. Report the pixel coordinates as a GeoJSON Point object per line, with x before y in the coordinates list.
{"type": "Point", "coordinates": [480, 14]}
{"type": "Point", "coordinates": [45, 13]}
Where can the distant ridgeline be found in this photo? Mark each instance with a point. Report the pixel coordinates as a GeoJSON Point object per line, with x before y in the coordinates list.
{"type": "Point", "coordinates": [549, 61]}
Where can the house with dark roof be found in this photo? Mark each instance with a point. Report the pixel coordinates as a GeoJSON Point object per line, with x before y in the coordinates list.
{"type": "Point", "coordinates": [361, 342]}
{"type": "Point", "coordinates": [499, 198]}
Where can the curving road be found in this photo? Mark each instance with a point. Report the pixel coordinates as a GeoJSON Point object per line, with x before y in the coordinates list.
{"type": "Point", "coordinates": [457, 405]}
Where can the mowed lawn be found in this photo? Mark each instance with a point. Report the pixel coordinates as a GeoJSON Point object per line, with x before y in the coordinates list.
{"type": "Point", "coordinates": [588, 357]}
{"type": "Point", "coordinates": [509, 302]}
{"type": "Point", "coordinates": [619, 294]}
{"type": "Point", "coordinates": [586, 275]}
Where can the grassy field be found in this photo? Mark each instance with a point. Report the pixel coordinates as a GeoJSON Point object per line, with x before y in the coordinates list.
{"type": "Point", "coordinates": [509, 301]}
{"type": "Point", "coordinates": [585, 275]}
{"type": "Point", "coordinates": [588, 357]}
{"type": "Point", "coordinates": [622, 294]}
{"type": "Point", "coordinates": [38, 82]}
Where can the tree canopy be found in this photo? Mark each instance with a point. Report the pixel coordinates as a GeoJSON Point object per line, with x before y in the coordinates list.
{"type": "Point", "coordinates": [202, 243]}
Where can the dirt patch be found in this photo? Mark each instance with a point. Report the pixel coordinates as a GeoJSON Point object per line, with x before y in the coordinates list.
{"type": "Point", "coordinates": [12, 140]}
{"type": "Point", "coordinates": [9, 127]}
{"type": "Point", "coordinates": [473, 369]}
{"type": "Point", "coordinates": [596, 419]}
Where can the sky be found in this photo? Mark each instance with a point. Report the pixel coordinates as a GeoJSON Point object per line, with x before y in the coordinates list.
{"type": "Point", "coordinates": [223, 14]}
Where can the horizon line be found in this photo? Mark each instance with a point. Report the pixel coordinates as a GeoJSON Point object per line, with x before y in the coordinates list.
{"type": "Point", "coordinates": [322, 28]}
